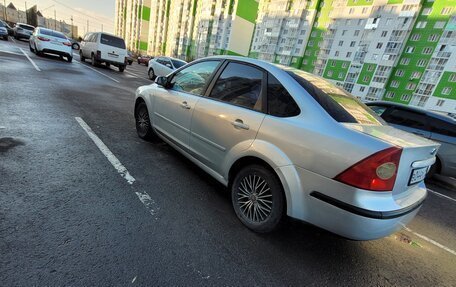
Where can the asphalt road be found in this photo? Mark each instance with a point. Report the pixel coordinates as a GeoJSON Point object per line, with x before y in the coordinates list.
{"type": "Point", "coordinates": [68, 217]}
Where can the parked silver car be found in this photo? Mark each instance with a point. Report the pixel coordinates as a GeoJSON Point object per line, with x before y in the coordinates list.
{"type": "Point", "coordinates": [435, 126]}
{"type": "Point", "coordinates": [22, 30]}
{"type": "Point", "coordinates": [286, 142]}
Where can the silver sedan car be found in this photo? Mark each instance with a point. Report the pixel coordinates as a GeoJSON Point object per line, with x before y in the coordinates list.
{"type": "Point", "coordinates": [286, 142]}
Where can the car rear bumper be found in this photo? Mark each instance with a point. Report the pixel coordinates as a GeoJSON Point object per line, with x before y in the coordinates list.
{"type": "Point", "coordinates": [109, 61]}
{"type": "Point", "coordinates": [22, 35]}
{"type": "Point", "coordinates": [50, 48]}
{"type": "Point", "coordinates": [347, 211]}
{"type": "Point", "coordinates": [3, 33]}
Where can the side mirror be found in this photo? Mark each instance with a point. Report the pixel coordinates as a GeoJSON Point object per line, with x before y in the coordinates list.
{"type": "Point", "coordinates": [162, 81]}
{"type": "Point", "coordinates": [169, 66]}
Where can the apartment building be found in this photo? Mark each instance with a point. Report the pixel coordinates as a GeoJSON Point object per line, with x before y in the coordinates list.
{"type": "Point", "coordinates": [394, 50]}
{"type": "Point", "coordinates": [132, 23]}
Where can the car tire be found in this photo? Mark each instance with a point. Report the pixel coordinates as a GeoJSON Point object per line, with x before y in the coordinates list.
{"type": "Point", "coordinates": [6, 38]}
{"type": "Point", "coordinates": [139, 63]}
{"type": "Point", "coordinates": [31, 49]}
{"type": "Point", "coordinates": [258, 199]}
{"type": "Point", "coordinates": [130, 62]}
{"type": "Point", "coordinates": [69, 59]}
{"type": "Point", "coordinates": [81, 56]}
{"type": "Point", "coordinates": [37, 52]}
{"type": "Point", "coordinates": [143, 126]}
{"type": "Point", "coordinates": [93, 61]}
{"type": "Point", "coordinates": [121, 68]}
{"type": "Point", "coordinates": [435, 169]}
{"type": "Point", "coordinates": [75, 46]}
{"type": "Point", "coordinates": [151, 74]}
{"type": "Point", "coordinates": [108, 65]}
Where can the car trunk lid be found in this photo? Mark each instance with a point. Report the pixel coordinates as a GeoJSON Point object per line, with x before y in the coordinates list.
{"type": "Point", "coordinates": [418, 153]}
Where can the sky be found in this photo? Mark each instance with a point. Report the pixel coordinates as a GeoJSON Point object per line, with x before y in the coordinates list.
{"type": "Point", "coordinates": [99, 13]}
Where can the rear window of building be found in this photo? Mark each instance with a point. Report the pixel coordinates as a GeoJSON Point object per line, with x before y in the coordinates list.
{"type": "Point", "coordinates": [26, 27]}
{"type": "Point", "coordinates": [339, 104]}
{"type": "Point", "coordinates": [52, 33]}
{"type": "Point", "coordinates": [112, 41]}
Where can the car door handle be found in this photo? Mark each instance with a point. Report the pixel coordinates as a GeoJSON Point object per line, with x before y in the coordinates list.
{"type": "Point", "coordinates": [238, 123]}
{"type": "Point", "coordinates": [184, 105]}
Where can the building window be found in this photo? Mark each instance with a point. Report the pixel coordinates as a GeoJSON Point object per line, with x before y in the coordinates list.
{"type": "Point", "coordinates": [311, 43]}
{"type": "Point", "coordinates": [349, 54]}
{"type": "Point", "coordinates": [452, 78]}
{"type": "Point", "coordinates": [415, 37]}
{"type": "Point", "coordinates": [416, 75]}
{"type": "Point", "coordinates": [379, 45]}
{"type": "Point", "coordinates": [409, 49]}
{"type": "Point", "coordinates": [405, 98]}
{"type": "Point", "coordinates": [336, 53]}
{"type": "Point", "coordinates": [446, 11]}
{"type": "Point", "coordinates": [370, 68]}
{"type": "Point", "coordinates": [344, 65]}
{"type": "Point", "coordinates": [351, 11]}
{"type": "Point", "coordinates": [421, 24]}
{"type": "Point", "coordinates": [352, 43]}
{"type": "Point", "coordinates": [356, 33]}
{"type": "Point", "coordinates": [394, 84]}
{"type": "Point", "coordinates": [421, 63]}
{"type": "Point", "coordinates": [366, 79]}
{"type": "Point", "coordinates": [399, 73]}
{"type": "Point", "coordinates": [341, 43]}
{"type": "Point", "coordinates": [330, 73]}
{"type": "Point", "coordinates": [313, 34]}
{"type": "Point", "coordinates": [446, 91]}
{"type": "Point", "coordinates": [427, 11]}
{"type": "Point", "coordinates": [341, 75]}
{"type": "Point", "coordinates": [333, 63]}
{"type": "Point", "coordinates": [405, 61]}
{"type": "Point", "coordinates": [384, 33]}
{"type": "Point", "coordinates": [364, 10]}
{"type": "Point", "coordinates": [300, 41]}
{"type": "Point", "coordinates": [411, 86]}
{"type": "Point", "coordinates": [433, 38]}
{"type": "Point", "coordinates": [362, 88]}
{"type": "Point", "coordinates": [343, 32]}
{"type": "Point", "coordinates": [390, 95]}
{"type": "Point", "coordinates": [427, 51]}
{"type": "Point", "coordinates": [439, 24]}
{"type": "Point", "coordinates": [440, 103]}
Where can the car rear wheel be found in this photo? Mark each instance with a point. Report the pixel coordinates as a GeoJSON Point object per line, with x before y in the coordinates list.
{"type": "Point", "coordinates": [143, 126]}
{"type": "Point", "coordinates": [69, 59]}
{"type": "Point", "coordinates": [151, 74]}
{"type": "Point", "coordinates": [37, 52]}
{"type": "Point", "coordinates": [108, 65]}
{"type": "Point", "coordinates": [31, 49]}
{"type": "Point", "coordinates": [121, 68]}
{"type": "Point", "coordinates": [93, 61]}
{"type": "Point", "coordinates": [257, 198]}
{"type": "Point", "coordinates": [81, 56]}
{"type": "Point", "coordinates": [75, 46]}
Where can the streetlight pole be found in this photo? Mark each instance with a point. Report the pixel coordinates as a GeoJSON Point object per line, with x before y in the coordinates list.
{"type": "Point", "coordinates": [72, 30]}
{"type": "Point", "coordinates": [6, 13]}
{"type": "Point", "coordinates": [55, 20]}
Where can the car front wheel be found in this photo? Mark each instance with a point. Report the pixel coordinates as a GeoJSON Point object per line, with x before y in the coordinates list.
{"type": "Point", "coordinates": [151, 74]}
{"type": "Point", "coordinates": [257, 198]}
{"type": "Point", "coordinates": [143, 126]}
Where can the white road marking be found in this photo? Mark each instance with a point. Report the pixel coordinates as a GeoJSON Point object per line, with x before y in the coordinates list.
{"type": "Point", "coordinates": [148, 202]}
{"type": "Point", "coordinates": [441, 195]}
{"type": "Point", "coordinates": [133, 74]}
{"type": "Point", "coordinates": [430, 241]}
{"type": "Point", "coordinates": [31, 61]}
{"type": "Point", "coordinates": [13, 53]}
{"type": "Point", "coordinates": [98, 72]}
{"type": "Point", "coordinates": [13, 40]}
{"type": "Point", "coordinates": [106, 152]}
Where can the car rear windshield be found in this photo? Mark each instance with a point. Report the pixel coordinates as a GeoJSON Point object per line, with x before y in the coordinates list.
{"type": "Point", "coordinates": [177, 64]}
{"type": "Point", "coordinates": [26, 27]}
{"type": "Point", "coordinates": [112, 41]}
{"type": "Point", "coordinates": [52, 33]}
{"type": "Point", "coordinates": [340, 105]}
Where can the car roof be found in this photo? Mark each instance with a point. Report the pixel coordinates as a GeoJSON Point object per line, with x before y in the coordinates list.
{"type": "Point", "coordinates": [25, 24]}
{"type": "Point", "coordinates": [414, 109]}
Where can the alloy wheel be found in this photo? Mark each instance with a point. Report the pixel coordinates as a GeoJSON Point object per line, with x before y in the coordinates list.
{"type": "Point", "coordinates": [254, 198]}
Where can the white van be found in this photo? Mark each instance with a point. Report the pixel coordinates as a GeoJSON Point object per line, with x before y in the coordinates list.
{"type": "Point", "coordinates": [105, 48]}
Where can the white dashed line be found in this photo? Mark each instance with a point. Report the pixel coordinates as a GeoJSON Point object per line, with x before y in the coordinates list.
{"type": "Point", "coordinates": [133, 74]}
{"type": "Point", "coordinates": [431, 241]}
{"type": "Point", "coordinates": [13, 40]}
{"type": "Point", "coordinates": [106, 152]}
{"type": "Point", "coordinates": [97, 72]}
{"type": "Point", "coordinates": [31, 61]}
{"type": "Point", "coordinates": [441, 195]}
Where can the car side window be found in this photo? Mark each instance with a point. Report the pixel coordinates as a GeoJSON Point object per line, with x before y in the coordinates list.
{"type": "Point", "coordinates": [442, 127]}
{"type": "Point", "coordinates": [167, 63]}
{"type": "Point", "coordinates": [379, 110]}
{"type": "Point", "coordinates": [194, 78]}
{"type": "Point", "coordinates": [239, 85]}
{"type": "Point", "coordinates": [280, 102]}
{"type": "Point", "coordinates": [407, 118]}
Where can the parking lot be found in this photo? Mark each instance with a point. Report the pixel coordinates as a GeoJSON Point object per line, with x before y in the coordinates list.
{"type": "Point", "coordinates": [84, 201]}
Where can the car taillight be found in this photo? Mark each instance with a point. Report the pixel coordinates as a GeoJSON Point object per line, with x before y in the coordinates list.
{"type": "Point", "coordinates": [43, 39]}
{"type": "Point", "coordinates": [67, 43]}
{"type": "Point", "coordinates": [377, 172]}
{"type": "Point", "coordinates": [98, 54]}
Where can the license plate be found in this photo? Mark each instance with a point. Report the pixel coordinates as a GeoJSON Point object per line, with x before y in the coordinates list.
{"type": "Point", "coordinates": [56, 43]}
{"type": "Point", "coordinates": [418, 175]}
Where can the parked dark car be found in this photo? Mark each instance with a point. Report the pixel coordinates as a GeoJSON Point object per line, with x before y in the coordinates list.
{"type": "Point", "coordinates": [144, 60]}
{"type": "Point", "coordinates": [3, 32]}
{"type": "Point", "coordinates": [8, 28]}
{"type": "Point", "coordinates": [428, 124]}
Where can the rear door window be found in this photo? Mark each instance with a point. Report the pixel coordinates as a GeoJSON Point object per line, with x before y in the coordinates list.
{"type": "Point", "coordinates": [112, 41]}
{"type": "Point", "coordinates": [193, 79]}
{"type": "Point", "coordinates": [26, 27]}
{"type": "Point", "coordinates": [442, 127]}
{"type": "Point", "coordinates": [340, 105]}
{"type": "Point", "coordinates": [280, 102]}
{"type": "Point", "coordinates": [240, 85]}
{"type": "Point", "coordinates": [407, 118]}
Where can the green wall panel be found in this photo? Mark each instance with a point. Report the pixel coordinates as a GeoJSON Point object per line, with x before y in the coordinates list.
{"type": "Point", "coordinates": [145, 13]}
{"type": "Point", "coordinates": [368, 71]}
{"type": "Point", "coordinates": [335, 68]}
{"type": "Point", "coordinates": [247, 9]}
{"type": "Point", "coordinates": [445, 83]}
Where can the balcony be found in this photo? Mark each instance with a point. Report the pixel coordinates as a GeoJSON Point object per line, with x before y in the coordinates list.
{"type": "Point", "coordinates": [443, 54]}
